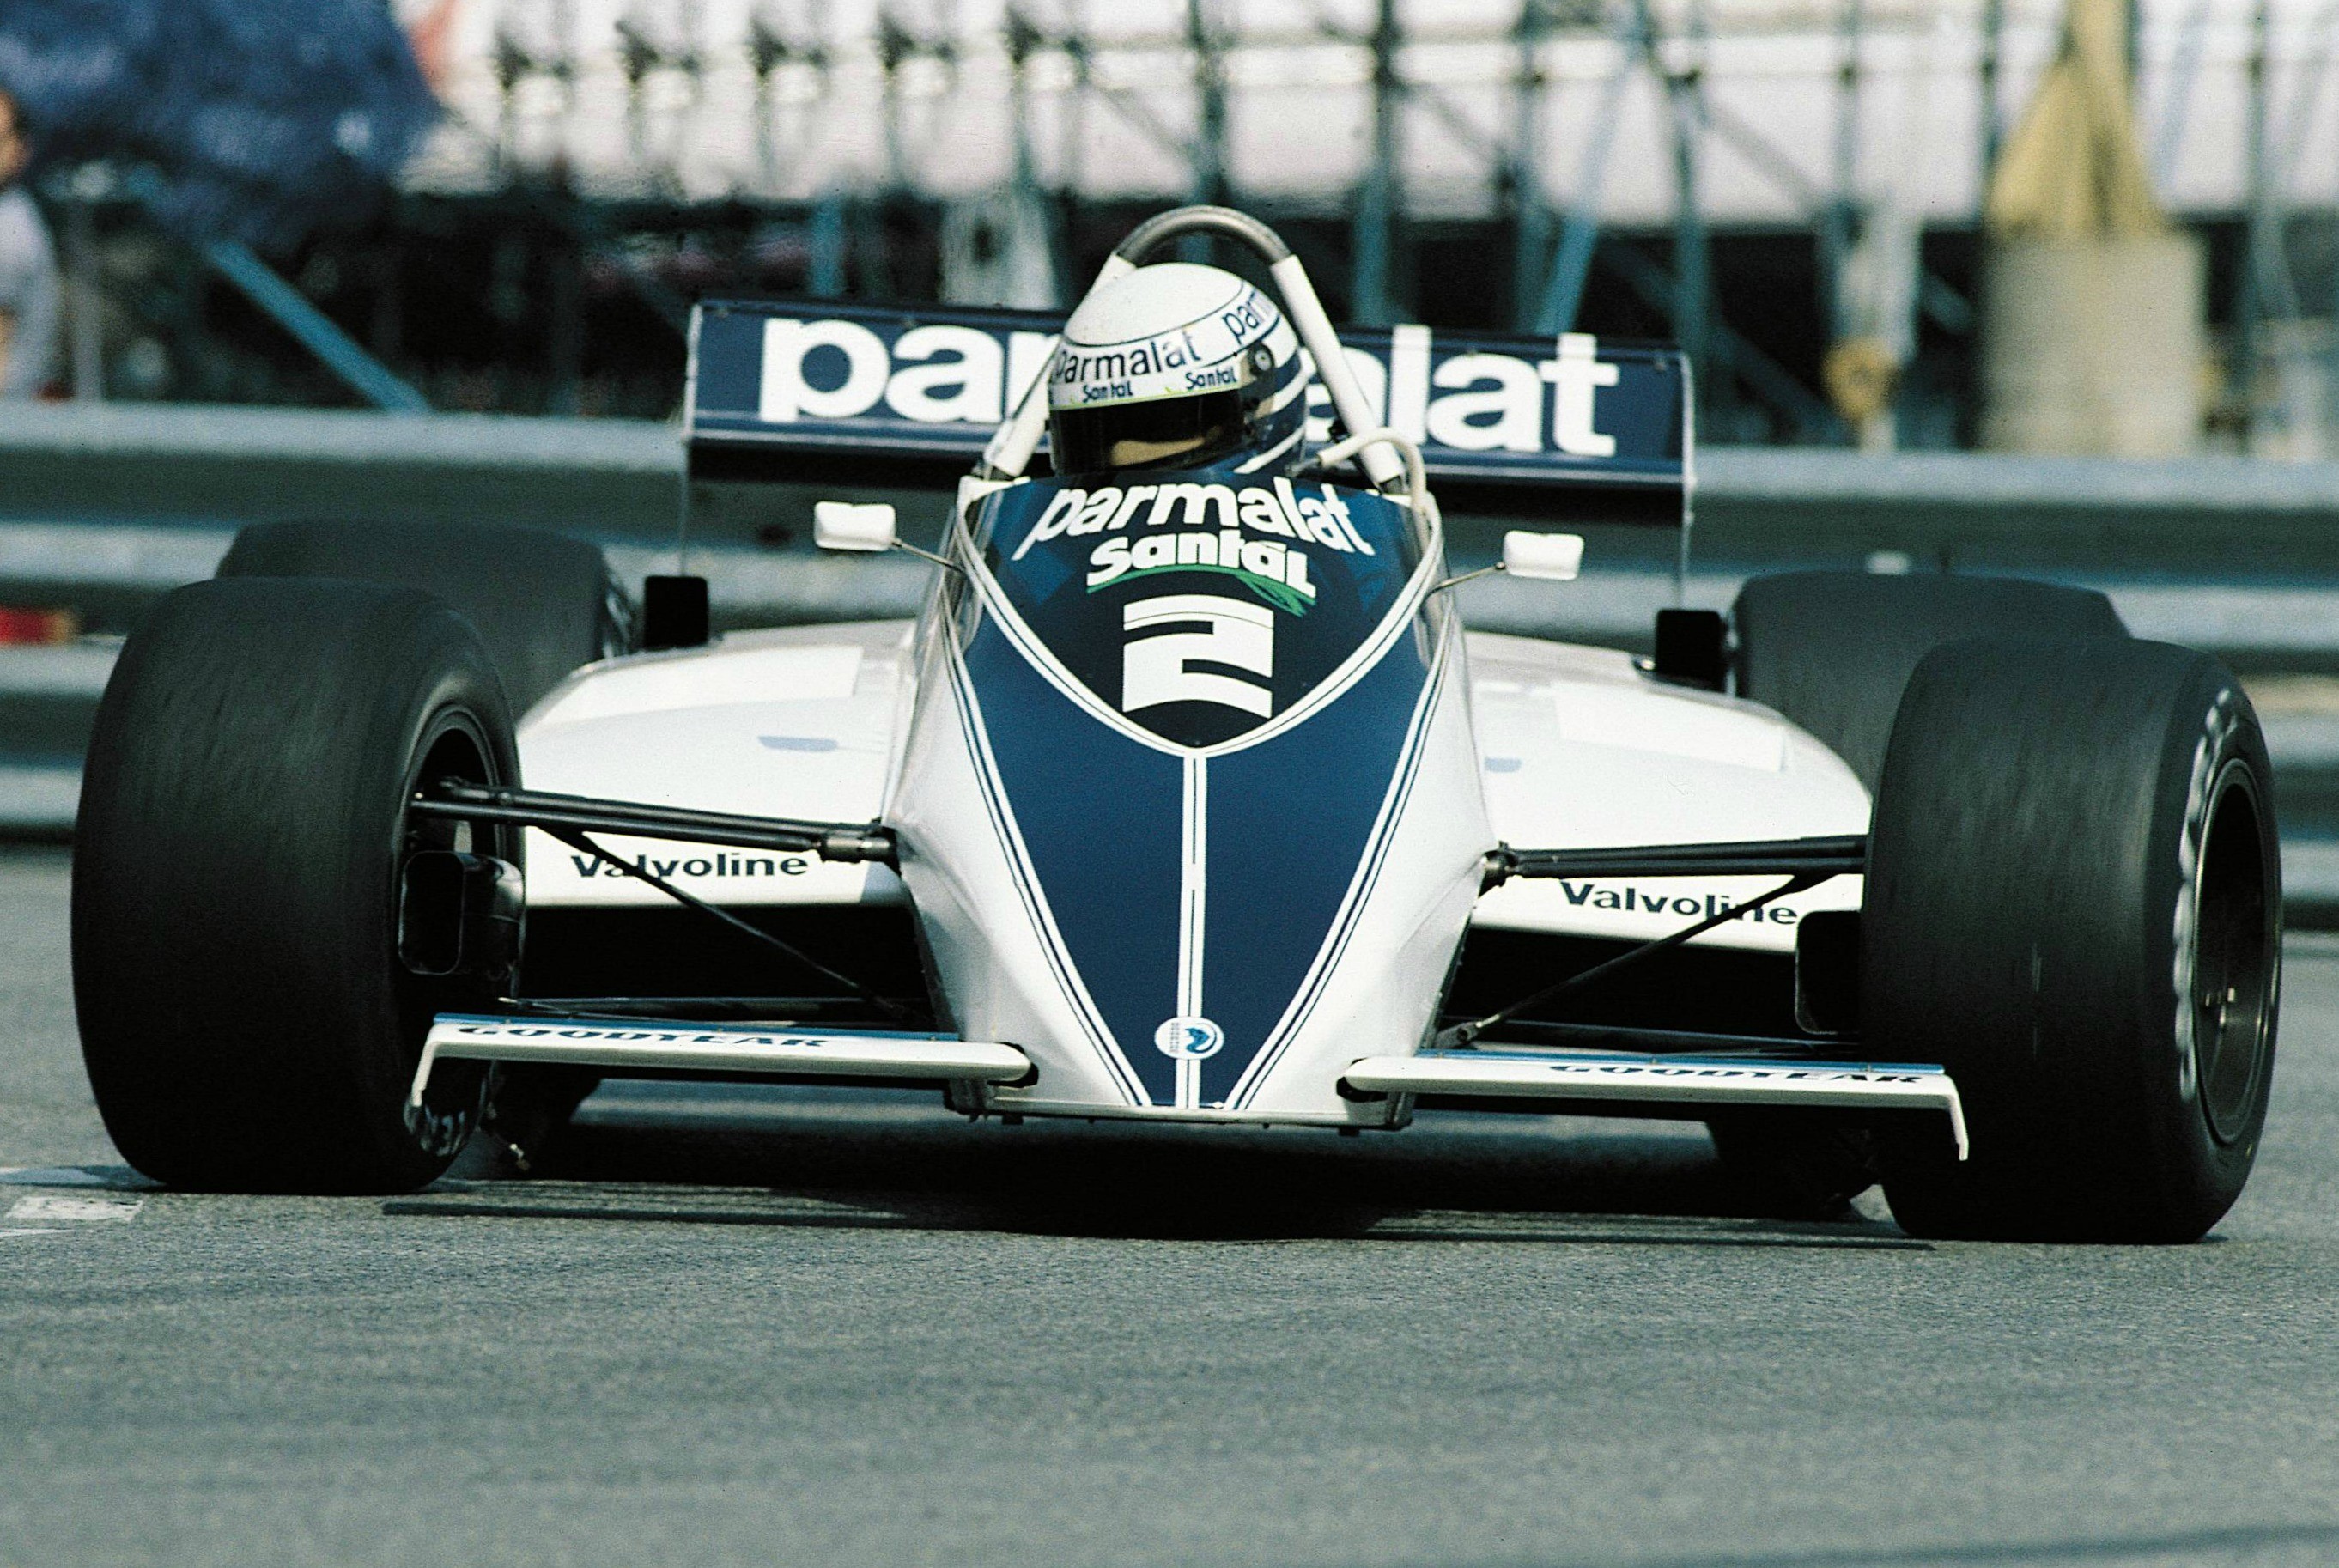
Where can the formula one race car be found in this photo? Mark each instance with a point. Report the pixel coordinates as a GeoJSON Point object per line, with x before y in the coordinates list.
{"type": "Point", "coordinates": [1185, 797]}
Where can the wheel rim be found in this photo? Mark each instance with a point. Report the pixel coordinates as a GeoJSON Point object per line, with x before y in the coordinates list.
{"type": "Point", "coordinates": [453, 745]}
{"type": "Point", "coordinates": [2233, 956]}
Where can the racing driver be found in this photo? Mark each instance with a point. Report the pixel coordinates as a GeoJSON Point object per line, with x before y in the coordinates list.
{"type": "Point", "coordinates": [1177, 366]}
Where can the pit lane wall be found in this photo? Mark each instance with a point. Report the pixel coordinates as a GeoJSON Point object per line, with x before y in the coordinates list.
{"type": "Point", "coordinates": [105, 508]}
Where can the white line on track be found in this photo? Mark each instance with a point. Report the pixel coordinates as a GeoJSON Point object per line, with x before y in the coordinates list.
{"type": "Point", "coordinates": [114, 1176]}
{"type": "Point", "coordinates": [54, 1205]}
{"type": "Point", "coordinates": [50, 1175]}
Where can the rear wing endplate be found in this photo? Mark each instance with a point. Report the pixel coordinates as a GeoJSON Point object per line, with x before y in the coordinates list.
{"type": "Point", "coordinates": [816, 377]}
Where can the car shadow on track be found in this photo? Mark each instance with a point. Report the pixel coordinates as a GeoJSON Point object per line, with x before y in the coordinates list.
{"type": "Point", "coordinates": [692, 1154]}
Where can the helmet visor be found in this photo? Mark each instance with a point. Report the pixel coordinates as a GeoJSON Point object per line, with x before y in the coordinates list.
{"type": "Point", "coordinates": [1166, 433]}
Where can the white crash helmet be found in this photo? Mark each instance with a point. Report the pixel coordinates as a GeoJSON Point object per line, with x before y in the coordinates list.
{"type": "Point", "coordinates": [1176, 366]}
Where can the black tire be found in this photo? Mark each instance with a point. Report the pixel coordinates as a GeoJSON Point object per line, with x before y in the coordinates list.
{"type": "Point", "coordinates": [1786, 1165]}
{"type": "Point", "coordinates": [2074, 903]}
{"type": "Point", "coordinates": [543, 604]}
{"type": "Point", "coordinates": [244, 1017]}
{"type": "Point", "coordinates": [1832, 651]}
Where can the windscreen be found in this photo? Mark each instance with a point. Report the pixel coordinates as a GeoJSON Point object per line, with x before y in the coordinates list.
{"type": "Point", "coordinates": [1199, 606]}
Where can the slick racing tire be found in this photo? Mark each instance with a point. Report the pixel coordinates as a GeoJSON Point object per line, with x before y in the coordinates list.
{"type": "Point", "coordinates": [2074, 904]}
{"type": "Point", "coordinates": [1785, 1165]}
{"type": "Point", "coordinates": [543, 604]}
{"type": "Point", "coordinates": [244, 1015]}
{"type": "Point", "coordinates": [1832, 651]}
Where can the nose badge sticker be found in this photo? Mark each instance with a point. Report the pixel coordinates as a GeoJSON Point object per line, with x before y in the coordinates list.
{"type": "Point", "coordinates": [1189, 1039]}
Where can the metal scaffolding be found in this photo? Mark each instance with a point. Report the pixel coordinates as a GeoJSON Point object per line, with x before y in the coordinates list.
{"type": "Point", "coordinates": [1563, 71]}
{"type": "Point", "coordinates": [1595, 151]}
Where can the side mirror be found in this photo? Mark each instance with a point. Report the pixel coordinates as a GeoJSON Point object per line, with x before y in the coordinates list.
{"type": "Point", "coordinates": [848, 526]}
{"type": "Point", "coordinates": [1551, 557]}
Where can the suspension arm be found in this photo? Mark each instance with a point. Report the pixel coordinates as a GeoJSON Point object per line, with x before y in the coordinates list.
{"type": "Point", "coordinates": [1843, 855]}
{"type": "Point", "coordinates": [454, 800]}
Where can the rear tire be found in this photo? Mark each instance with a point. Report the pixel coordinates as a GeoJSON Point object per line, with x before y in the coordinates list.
{"type": "Point", "coordinates": [1832, 651]}
{"type": "Point", "coordinates": [1788, 1166]}
{"type": "Point", "coordinates": [244, 1017]}
{"type": "Point", "coordinates": [2074, 903]}
{"type": "Point", "coordinates": [543, 604]}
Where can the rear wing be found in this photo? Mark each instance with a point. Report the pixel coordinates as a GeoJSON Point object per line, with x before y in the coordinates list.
{"type": "Point", "coordinates": [781, 380]}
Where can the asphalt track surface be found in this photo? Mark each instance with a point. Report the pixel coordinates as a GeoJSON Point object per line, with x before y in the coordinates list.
{"type": "Point", "coordinates": [773, 1327]}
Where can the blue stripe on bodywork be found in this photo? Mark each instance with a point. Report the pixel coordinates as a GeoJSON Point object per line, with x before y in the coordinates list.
{"type": "Point", "coordinates": [1376, 856]}
{"type": "Point", "coordinates": [1059, 963]}
{"type": "Point", "coordinates": [1099, 815]}
{"type": "Point", "coordinates": [1291, 819]}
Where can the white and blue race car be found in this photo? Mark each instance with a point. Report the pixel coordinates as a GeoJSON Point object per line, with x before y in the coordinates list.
{"type": "Point", "coordinates": [1186, 797]}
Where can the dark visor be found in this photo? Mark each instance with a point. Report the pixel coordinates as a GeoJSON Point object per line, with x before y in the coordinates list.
{"type": "Point", "coordinates": [1167, 433]}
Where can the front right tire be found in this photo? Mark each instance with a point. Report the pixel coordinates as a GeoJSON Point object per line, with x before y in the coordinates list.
{"type": "Point", "coordinates": [245, 1016]}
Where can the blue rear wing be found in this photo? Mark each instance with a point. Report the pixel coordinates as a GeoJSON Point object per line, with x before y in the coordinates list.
{"type": "Point", "coordinates": [815, 377]}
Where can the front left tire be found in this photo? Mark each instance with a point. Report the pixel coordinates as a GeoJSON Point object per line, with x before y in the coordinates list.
{"type": "Point", "coordinates": [1832, 652]}
{"type": "Point", "coordinates": [2074, 903]}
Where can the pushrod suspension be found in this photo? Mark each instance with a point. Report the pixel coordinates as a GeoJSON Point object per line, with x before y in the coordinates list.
{"type": "Point", "coordinates": [1842, 855]}
{"type": "Point", "coordinates": [461, 802]}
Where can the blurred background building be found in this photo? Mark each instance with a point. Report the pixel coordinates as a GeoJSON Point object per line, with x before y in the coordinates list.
{"type": "Point", "coordinates": [2099, 225]}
